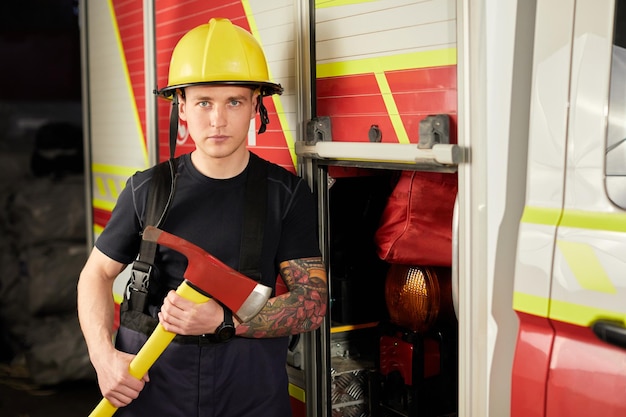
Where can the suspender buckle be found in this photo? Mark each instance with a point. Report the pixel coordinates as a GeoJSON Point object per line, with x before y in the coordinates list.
{"type": "Point", "coordinates": [138, 286]}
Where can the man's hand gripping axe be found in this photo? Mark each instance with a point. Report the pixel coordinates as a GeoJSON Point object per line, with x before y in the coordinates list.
{"type": "Point", "coordinates": [205, 275]}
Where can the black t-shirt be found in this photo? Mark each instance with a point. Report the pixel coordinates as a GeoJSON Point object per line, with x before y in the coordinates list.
{"type": "Point", "coordinates": [245, 375]}
{"type": "Point", "coordinates": [209, 213]}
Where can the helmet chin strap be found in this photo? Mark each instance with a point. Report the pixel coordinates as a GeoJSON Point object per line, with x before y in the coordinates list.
{"type": "Point", "coordinates": [263, 115]}
{"type": "Point", "coordinates": [173, 125]}
{"type": "Point", "coordinates": [174, 121]}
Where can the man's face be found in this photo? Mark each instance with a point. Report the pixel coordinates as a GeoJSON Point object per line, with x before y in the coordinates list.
{"type": "Point", "coordinates": [218, 117]}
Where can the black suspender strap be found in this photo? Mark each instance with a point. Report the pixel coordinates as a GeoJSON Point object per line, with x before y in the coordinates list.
{"type": "Point", "coordinates": [161, 190]}
{"type": "Point", "coordinates": [255, 211]}
{"type": "Point", "coordinates": [160, 195]}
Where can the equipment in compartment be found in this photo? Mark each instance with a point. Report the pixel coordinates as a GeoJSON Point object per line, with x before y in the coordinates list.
{"type": "Point", "coordinates": [416, 224]}
{"type": "Point", "coordinates": [357, 274]}
{"type": "Point", "coordinates": [352, 359]}
{"type": "Point", "coordinates": [412, 296]}
{"type": "Point", "coordinates": [411, 341]}
{"type": "Point", "coordinates": [417, 356]}
{"type": "Point", "coordinates": [350, 387]}
{"type": "Point", "coordinates": [417, 372]}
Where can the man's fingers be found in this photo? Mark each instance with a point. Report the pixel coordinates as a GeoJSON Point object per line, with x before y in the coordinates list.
{"type": "Point", "coordinates": [124, 395]}
{"type": "Point", "coordinates": [169, 322]}
{"type": "Point", "coordinates": [178, 301]}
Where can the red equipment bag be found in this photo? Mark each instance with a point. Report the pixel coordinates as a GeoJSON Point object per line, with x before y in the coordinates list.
{"type": "Point", "coordinates": [416, 224]}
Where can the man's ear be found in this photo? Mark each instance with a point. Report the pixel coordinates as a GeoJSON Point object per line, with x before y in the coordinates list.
{"type": "Point", "coordinates": [255, 103]}
{"type": "Point", "coordinates": [181, 106]}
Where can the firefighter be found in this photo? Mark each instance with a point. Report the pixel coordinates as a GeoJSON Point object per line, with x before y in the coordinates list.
{"type": "Point", "coordinates": [217, 80]}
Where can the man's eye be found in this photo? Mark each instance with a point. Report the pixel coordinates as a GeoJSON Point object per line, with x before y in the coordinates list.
{"type": "Point", "coordinates": [235, 103]}
{"type": "Point", "coordinates": [203, 103]}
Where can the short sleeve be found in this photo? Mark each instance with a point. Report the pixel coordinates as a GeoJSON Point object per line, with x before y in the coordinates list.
{"type": "Point", "coordinates": [121, 236]}
{"type": "Point", "coordinates": [299, 237]}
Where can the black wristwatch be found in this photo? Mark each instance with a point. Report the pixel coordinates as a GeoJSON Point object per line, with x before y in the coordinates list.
{"type": "Point", "coordinates": [226, 330]}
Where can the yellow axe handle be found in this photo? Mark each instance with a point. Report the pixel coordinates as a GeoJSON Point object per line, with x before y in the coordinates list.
{"type": "Point", "coordinates": [151, 350]}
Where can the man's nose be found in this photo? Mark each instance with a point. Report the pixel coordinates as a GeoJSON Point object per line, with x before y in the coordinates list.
{"type": "Point", "coordinates": [218, 116]}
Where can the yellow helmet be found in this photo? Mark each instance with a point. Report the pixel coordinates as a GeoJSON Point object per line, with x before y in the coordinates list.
{"type": "Point", "coordinates": [219, 53]}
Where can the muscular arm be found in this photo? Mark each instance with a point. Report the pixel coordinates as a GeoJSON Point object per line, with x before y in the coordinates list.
{"type": "Point", "coordinates": [95, 302]}
{"type": "Point", "coordinates": [96, 313]}
{"type": "Point", "coordinates": [300, 310]}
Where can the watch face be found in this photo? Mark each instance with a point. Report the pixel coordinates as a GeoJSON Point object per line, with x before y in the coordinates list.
{"type": "Point", "coordinates": [225, 332]}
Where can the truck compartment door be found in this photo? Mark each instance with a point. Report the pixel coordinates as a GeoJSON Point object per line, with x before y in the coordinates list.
{"type": "Point", "coordinates": [588, 289]}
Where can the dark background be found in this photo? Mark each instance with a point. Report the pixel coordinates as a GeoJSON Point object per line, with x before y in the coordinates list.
{"type": "Point", "coordinates": [40, 45]}
{"type": "Point", "coordinates": [40, 82]}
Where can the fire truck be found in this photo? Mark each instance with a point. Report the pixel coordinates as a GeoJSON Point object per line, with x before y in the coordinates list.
{"type": "Point", "coordinates": [469, 163]}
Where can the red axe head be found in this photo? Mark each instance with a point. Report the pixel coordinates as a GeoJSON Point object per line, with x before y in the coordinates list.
{"type": "Point", "coordinates": [207, 274]}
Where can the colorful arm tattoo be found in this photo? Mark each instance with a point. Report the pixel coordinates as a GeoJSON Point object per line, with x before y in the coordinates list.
{"type": "Point", "coordinates": [299, 310]}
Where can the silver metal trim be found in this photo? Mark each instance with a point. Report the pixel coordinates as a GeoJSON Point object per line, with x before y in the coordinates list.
{"type": "Point", "coordinates": [440, 154]}
{"type": "Point", "coordinates": [254, 303]}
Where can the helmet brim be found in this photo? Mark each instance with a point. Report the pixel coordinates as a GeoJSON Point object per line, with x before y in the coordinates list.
{"type": "Point", "coordinates": [266, 88]}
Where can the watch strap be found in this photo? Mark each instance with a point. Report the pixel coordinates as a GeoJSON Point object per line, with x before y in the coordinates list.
{"type": "Point", "coordinates": [228, 317]}
{"type": "Point", "coordinates": [226, 330]}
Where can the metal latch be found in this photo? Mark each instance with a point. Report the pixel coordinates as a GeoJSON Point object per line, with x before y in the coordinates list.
{"type": "Point", "coordinates": [433, 152]}
{"type": "Point", "coordinates": [434, 129]}
{"type": "Point", "coordinates": [318, 130]}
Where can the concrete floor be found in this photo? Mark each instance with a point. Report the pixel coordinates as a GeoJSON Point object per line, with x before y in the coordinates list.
{"type": "Point", "coordinates": [19, 397]}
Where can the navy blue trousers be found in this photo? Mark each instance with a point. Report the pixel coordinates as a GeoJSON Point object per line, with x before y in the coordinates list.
{"type": "Point", "coordinates": [243, 377]}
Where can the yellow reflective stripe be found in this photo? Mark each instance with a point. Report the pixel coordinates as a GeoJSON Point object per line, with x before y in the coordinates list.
{"type": "Point", "coordinates": [423, 59]}
{"type": "Point", "coordinates": [531, 304]}
{"type": "Point", "coordinates": [564, 311]}
{"type": "Point", "coordinates": [112, 185]}
{"type": "Point", "coordinates": [129, 85]}
{"type": "Point", "coordinates": [614, 222]}
{"type": "Point", "coordinates": [109, 181]}
{"type": "Point", "coordinates": [350, 327]}
{"type": "Point", "coordinates": [579, 219]}
{"type": "Point", "coordinates": [280, 111]}
{"type": "Point", "coordinates": [379, 65]}
{"type": "Point", "coordinates": [582, 260]}
{"type": "Point", "coordinates": [100, 187]}
{"type": "Point", "coordinates": [540, 215]}
{"type": "Point", "coordinates": [321, 4]}
{"type": "Point", "coordinates": [392, 109]}
{"type": "Point", "coordinates": [114, 170]}
{"type": "Point", "coordinates": [581, 315]}
{"type": "Point", "coordinates": [102, 204]}
{"type": "Point", "coordinates": [297, 393]}
{"type": "Point", "coordinates": [586, 267]}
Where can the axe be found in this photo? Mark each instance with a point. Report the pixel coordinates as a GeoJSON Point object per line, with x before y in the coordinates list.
{"type": "Point", "coordinates": [205, 277]}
